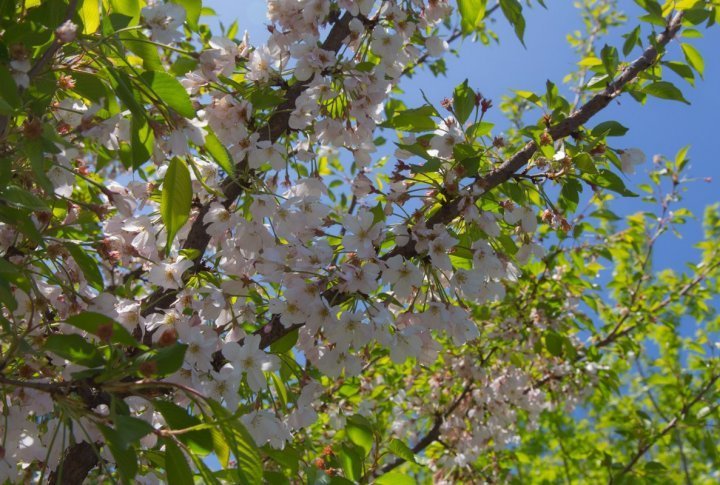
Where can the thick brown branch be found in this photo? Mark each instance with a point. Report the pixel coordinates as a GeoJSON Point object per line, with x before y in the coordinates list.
{"type": "Point", "coordinates": [274, 330]}
{"type": "Point", "coordinates": [597, 103]}
{"type": "Point", "coordinates": [76, 463]}
{"type": "Point", "coordinates": [198, 238]}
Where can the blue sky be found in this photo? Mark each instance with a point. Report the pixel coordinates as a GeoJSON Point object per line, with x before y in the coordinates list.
{"type": "Point", "coordinates": [659, 127]}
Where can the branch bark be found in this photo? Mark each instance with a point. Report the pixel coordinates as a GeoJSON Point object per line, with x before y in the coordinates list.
{"type": "Point", "coordinates": [450, 210]}
{"type": "Point", "coordinates": [76, 463]}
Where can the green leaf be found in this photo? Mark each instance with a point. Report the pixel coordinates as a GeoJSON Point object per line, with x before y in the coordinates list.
{"type": "Point", "coordinates": [243, 447]}
{"type": "Point", "coordinates": [89, 12]}
{"type": "Point", "coordinates": [8, 88]}
{"type": "Point", "coordinates": [126, 93]}
{"type": "Point", "coordinates": [481, 128]}
{"type": "Point", "coordinates": [19, 197]}
{"type": "Point", "coordinates": [168, 360]}
{"type": "Point", "coordinates": [142, 140]}
{"type": "Point", "coordinates": [608, 180]}
{"type": "Point", "coordinates": [219, 153]}
{"type": "Point", "coordinates": [665, 90]}
{"type": "Point", "coordinates": [395, 478]}
{"type": "Point", "coordinates": [631, 40]}
{"type": "Point", "coordinates": [280, 387]}
{"type": "Point", "coordinates": [400, 449]}
{"type": "Point", "coordinates": [570, 195]}
{"type": "Point", "coordinates": [128, 8]}
{"type": "Point", "coordinates": [88, 266]}
{"type": "Point", "coordinates": [694, 58]}
{"type": "Point", "coordinates": [418, 119]}
{"type": "Point", "coordinates": [176, 199]}
{"type": "Point", "coordinates": [433, 165]}
{"type": "Point", "coordinates": [177, 469]}
{"type": "Point", "coordinates": [220, 447]}
{"type": "Point", "coordinates": [472, 13]}
{"type": "Point", "coordinates": [609, 128]}
{"type": "Point", "coordinates": [138, 43]}
{"type": "Point", "coordinates": [463, 102]}
{"type": "Point", "coordinates": [74, 348]}
{"type": "Point", "coordinates": [351, 459]}
{"type": "Point", "coordinates": [554, 344]}
{"type": "Point", "coordinates": [126, 461]}
{"type": "Point", "coordinates": [512, 9]}
{"type": "Point", "coordinates": [199, 441]}
{"type": "Point", "coordinates": [35, 152]}
{"type": "Point", "coordinates": [129, 430]}
{"type": "Point", "coordinates": [682, 70]}
{"type": "Point", "coordinates": [170, 91]}
{"type": "Point", "coordinates": [585, 162]}
{"type": "Point", "coordinates": [359, 430]}
{"type": "Point", "coordinates": [102, 325]}
{"type": "Point", "coordinates": [610, 59]}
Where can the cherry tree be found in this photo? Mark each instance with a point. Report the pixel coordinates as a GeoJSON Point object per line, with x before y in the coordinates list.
{"type": "Point", "coordinates": [235, 261]}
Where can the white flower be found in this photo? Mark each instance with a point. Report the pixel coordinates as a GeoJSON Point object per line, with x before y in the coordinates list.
{"type": "Point", "coordinates": [164, 19]}
{"type": "Point", "coordinates": [220, 219]}
{"type": "Point", "coordinates": [446, 137]}
{"type": "Point", "coordinates": [261, 65]}
{"type": "Point", "coordinates": [524, 215]}
{"type": "Point", "coordinates": [267, 152]}
{"type": "Point", "coordinates": [362, 279]}
{"type": "Point", "coordinates": [631, 157]}
{"type": "Point", "coordinates": [265, 427]}
{"type": "Point", "coordinates": [169, 275]}
{"type": "Point", "coordinates": [67, 32]}
{"type": "Point", "coordinates": [439, 246]}
{"type": "Point", "coordinates": [436, 46]}
{"type": "Point", "coordinates": [403, 275]}
{"type": "Point", "coordinates": [225, 385]}
{"type": "Point", "coordinates": [385, 44]}
{"type": "Point", "coordinates": [361, 233]}
{"type": "Point", "coordinates": [250, 360]}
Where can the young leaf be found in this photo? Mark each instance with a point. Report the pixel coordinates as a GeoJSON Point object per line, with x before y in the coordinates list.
{"type": "Point", "coordinates": [177, 470]}
{"type": "Point", "coordinates": [472, 13]}
{"type": "Point", "coordinates": [418, 119]}
{"type": "Point", "coordinates": [219, 153]}
{"type": "Point", "coordinates": [74, 348]}
{"type": "Point", "coordinates": [359, 430]}
{"type": "Point", "coordinates": [102, 326]}
{"type": "Point", "coordinates": [399, 448]}
{"type": "Point", "coordinates": [90, 15]}
{"type": "Point", "coordinates": [512, 9]}
{"type": "Point", "coordinates": [176, 199]}
{"type": "Point", "coordinates": [167, 360]}
{"type": "Point", "coordinates": [129, 430]}
{"type": "Point", "coordinates": [170, 91]}
{"type": "Point", "coordinates": [199, 441]}
{"type": "Point", "coordinates": [608, 180]}
{"type": "Point", "coordinates": [609, 128]}
{"type": "Point", "coordinates": [463, 101]}
{"type": "Point", "coordinates": [694, 58]}
{"type": "Point", "coordinates": [665, 90]}
{"type": "Point", "coordinates": [88, 266]}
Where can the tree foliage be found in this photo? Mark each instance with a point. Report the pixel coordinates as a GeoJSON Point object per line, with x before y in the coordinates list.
{"type": "Point", "coordinates": [227, 261]}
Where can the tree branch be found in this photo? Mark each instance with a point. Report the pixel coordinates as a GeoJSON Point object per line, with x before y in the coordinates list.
{"type": "Point", "coordinates": [76, 463]}
{"type": "Point", "coordinates": [432, 435]}
{"type": "Point", "coordinates": [572, 123]}
{"type": "Point", "coordinates": [668, 427]}
{"type": "Point", "coordinates": [274, 330]}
